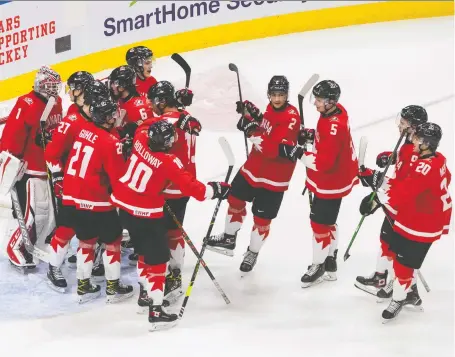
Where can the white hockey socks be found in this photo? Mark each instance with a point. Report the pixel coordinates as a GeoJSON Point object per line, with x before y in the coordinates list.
{"type": "Point", "coordinates": [322, 237]}
{"type": "Point", "coordinates": [259, 234]}
{"type": "Point", "coordinates": [235, 215]}
{"type": "Point", "coordinates": [177, 248]}
{"type": "Point", "coordinates": [85, 258]}
{"type": "Point", "coordinates": [334, 242]}
{"type": "Point", "coordinates": [111, 260]}
{"type": "Point", "coordinates": [156, 278]}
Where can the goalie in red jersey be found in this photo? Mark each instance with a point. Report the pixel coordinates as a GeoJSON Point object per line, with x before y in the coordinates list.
{"type": "Point", "coordinates": [265, 176]}
{"type": "Point", "coordinates": [423, 209]}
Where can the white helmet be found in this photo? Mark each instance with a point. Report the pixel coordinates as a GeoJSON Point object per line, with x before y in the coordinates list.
{"type": "Point", "coordinates": [48, 83]}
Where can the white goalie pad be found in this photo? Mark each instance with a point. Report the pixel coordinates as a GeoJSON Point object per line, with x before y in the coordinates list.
{"type": "Point", "coordinates": [11, 170]}
{"type": "Point", "coordinates": [38, 211]}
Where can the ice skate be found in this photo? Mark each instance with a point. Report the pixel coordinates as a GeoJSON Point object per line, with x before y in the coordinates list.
{"type": "Point", "coordinates": [330, 266]}
{"type": "Point", "coordinates": [392, 310]}
{"type": "Point", "coordinates": [143, 301]}
{"type": "Point", "coordinates": [117, 292]}
{"type": "Point", "coordinates": [313, 276]}
{"type": "Point", "coordinates": [371, 284]}
{"type": "Point", "coordinates": [56, 280]}
{"type": "Point", "coordinates": [249, 261]}
{"type": "Point", "coordinates": [132, 259]}
{"type": "Point", "coordinates": [160, 319]}
{"type": "Point", "coordinates": [386, 292]}
{"type": "Point", "coordinates": [222, 243]}
{"type": "Point", "coordinates": [72, 261]}
{"type": "Point", "coordinates": [173, 288]}
{"type": "Point", "coordinates": [23, 269]}
{"type": "Point", "coordinates": [87, 291]}
{"type": "Point", "coordinates": [413, 299]}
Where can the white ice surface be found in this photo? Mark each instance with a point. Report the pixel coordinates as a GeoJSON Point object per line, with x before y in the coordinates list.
{"type": "Point", "coordinates": [380, 68]}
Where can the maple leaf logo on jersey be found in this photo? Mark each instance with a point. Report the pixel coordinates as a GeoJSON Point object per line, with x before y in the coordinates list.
{"type": "Point", "coordinates": [334, 119]}
{"type": "Point", "coordinates": [72, 117]}
{"type": "Point", "coordinates": [293, 112]}
{"type": "Point", "coordinates": [28, 100]}
{"type": "Point", "coordinates": [257, 142]}
{"type": "Point", "coordinates": [138, 102]}
{"type": "Point", "coordinates": [53, 168]}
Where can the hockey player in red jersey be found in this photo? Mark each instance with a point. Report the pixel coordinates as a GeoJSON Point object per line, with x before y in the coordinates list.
{"type": "Point", "coordinates": [423, 209]}
{"type": "Point", "coordinates": [332, 169]}
{"type": "Point", "coordinates": [140, 198]}
{"type": "Point", "coordinates": [376, 284]}
{"type": "Point", "coordinates": [141, 59]}
{"type": "Point", "coordinates": [134, 107]}
{"type": "Point", "coordinates": [165, 105]}
{"type": "Point", "coordinates": [94, 166]}
{"type": "Point", "coordinates": [56, 155]}
{"type": "Point", "coordinates": [265, 175]}
{"type": "Point", "coordinates": [76, 84]}
{"type": "Point", "coordinates": [22, 140]}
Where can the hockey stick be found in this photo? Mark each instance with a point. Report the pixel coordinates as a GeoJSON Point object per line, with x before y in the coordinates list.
{"type": "Point", "coordinates": [373, 195]}
{"type": "Point", "coordinates": [42, 121]}
{"type": "Point", "coordinates": [185, 66]}
{"type": "Point", "coordinates": [303, 92]}
{"type": "Point", "coordinates": [362, 151]}
{"type": "Point", "coordinates": [231, 161]}
{"type": "Point", "coordinates": [234, 68]}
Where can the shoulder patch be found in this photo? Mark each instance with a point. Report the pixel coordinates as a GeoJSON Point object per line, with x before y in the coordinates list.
{"type": "Point", "coordinates": [334, 119]}
{"type": "Point", "coordinates": [72, 117]}
{"type": "Point", "coordinates": [138, 102]}
{"type": "Point", "coordinates": [28, 100]}
{"type": "Point", "coordinates": [292, 111]}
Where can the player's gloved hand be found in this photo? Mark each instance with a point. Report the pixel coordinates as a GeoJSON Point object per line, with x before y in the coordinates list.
{"type": "Point", "coordinates": [368, 206]}
{"type": "Point", "coordinates": [306, 136]}
{"type": "Point", "coordinates": [247, 124]}
{"type": "Point", "coordinates": [129, 129]}
{"type": "Point", "coordinates": [383, 158]}
{"type": "Point", "coordinates": [368, 177]}
{"type": "Point", "coordinates": [189, 124]}
{"type": "Point", "coordinates": [290, 152]}
{"type": "Point", "coordinates": [47, 137]}
{"type": "Point", "coordinates": [220, 189]}
{"type": "Point", "coordinates": [57, 184]}
{"type": "Point", "coordinates": [127, 146]}
{"type": "Point", "coordinates": [250, 110]}
{"type": "Point", "coordinates": [184, 96]}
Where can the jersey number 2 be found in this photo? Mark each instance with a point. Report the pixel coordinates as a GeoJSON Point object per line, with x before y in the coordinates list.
{"type": "Point", "coordinates": [87, 152]}
{"type": "Point", "coordinates": [135, 171]}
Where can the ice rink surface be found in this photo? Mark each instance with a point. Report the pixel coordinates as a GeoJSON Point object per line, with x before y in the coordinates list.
{"type": "Point", "coordinates": [380, 68]}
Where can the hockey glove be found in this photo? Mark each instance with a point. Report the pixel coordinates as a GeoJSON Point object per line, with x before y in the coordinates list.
{"type": "Point", "coordinates": [127, 146]}
{"type": "Point", "coordinates": [129, 129]}
{"type": "Point", "coordinates": [383, 158]}
{"type": "Point", "coordinates": [184, 97]}
{"type": "Point", "coordinates": [220, 189]}
{"type": "Point", "coordinates": [250, 110]}
{"type": "Point", "coordinates": [189, 124]}
{"type": "Point", "coordinates": [39, 138]}
{"type": "Point", "coordinates": [290, 152]}
{"type": "Point", "coordinates": [247, 125]}
{"type": "Point", "coordinates": [366, 207]}
{"type": "Point", "coordinates": [368, 177]}
{"type": "Point", "coordinates": [57, 184]}
{"type": "Point", "coordinates": [306, 136]}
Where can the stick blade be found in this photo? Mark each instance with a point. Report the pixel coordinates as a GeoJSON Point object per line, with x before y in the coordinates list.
{"type": "Point", "coordinates": [47, 109]}
{"type": "Point", "coordinates": [308, 85]}
{"type": "Point", "coordinates": [185, 66]}
{"type": "Point", "coordinates": [362, 150]}
{"type": "Point", "coordinates": [233, 67]}
{"type": "Point", "coordinates": [227, 150]}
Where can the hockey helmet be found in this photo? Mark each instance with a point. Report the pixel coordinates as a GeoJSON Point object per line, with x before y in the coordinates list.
{"type": "Point", "coordinates": [162, 135]}
{"type": "Point", "coordinates": [278, 84]}
{"type": "Point", "coordinates": [327, 89]}
{"type": "Point", "coordinates": [430, 134]}
{"type": "Point", "coordinates": [79, 80]}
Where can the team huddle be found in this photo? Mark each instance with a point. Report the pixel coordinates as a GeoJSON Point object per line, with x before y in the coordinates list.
{"type": "Point", "coordinates": [118, 170]}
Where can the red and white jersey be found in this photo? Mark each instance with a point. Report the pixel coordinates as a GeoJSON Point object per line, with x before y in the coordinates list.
{"type": "Point", "coordinates": [143, 86]}
{"type": "Point", "coordinates": [94, 166]}
{"type": "Point", "coordinates": [184, 148]}
{"type": "Point", "coordinates": [421, 202]}
{"type": "Point", "coordinates": [135, 109]}
{"type": "Point", "coordinates": [22, 126]}
{"type": "Point", "coordinates": [334, 157]}
{"type": "Point", "coordinates": [140, 191]}
{"type": "Point", "coordinates": [264, 168]}
{"type": "Point", "coordinates": [62, 141]}
{"type": "Point", "coordinates": [73, 109]}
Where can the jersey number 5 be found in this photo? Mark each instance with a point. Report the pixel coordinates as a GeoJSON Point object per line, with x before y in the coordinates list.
{"type": "Point", "coordinates": [135, 172]}
{"type": "Point", "coordinates": [87, 152]}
